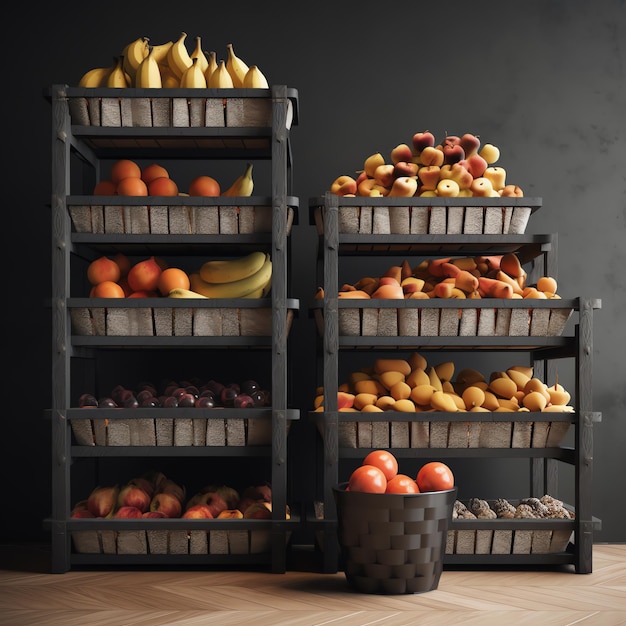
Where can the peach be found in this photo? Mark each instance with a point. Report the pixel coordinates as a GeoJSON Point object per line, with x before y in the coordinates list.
{"type": "Point", "coordinates": [345, 400]}
{"type": "Point", "coordinates": [405, 168]}
{"type": "Point", "coordinates": [470, 144]}
{"type": "Point", "coordinates": [343, 185]}
{"type": "Point", "coordinates": [476, 165]}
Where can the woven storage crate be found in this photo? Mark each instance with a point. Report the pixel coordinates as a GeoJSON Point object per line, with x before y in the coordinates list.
{"type": "Point", "coordinates": [161, 541]}
{"type": "Point", "coordinates": [428, 216]}
{"type": "Point", "coordinates": [386, 433]}
{"type": "Point", "coordinates": [174, 219]}
{"type": "Point", "coordinates": [179, 321]}
{"type": "Point", "coordinates": [393, 543]}
{"type": "Point", "coordinates": [164, 431]}
{"type": "Point", "coordinates": [210, 108]}
{"type": "Point", "coordinates": [427, 318]}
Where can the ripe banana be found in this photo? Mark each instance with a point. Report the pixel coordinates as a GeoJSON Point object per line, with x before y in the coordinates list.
{"type": "Point", "coordinates": [211, 67]}
{"type": "Point", "coordinates": [237, 289]}
{"type": "Point", "coordinates": [199, 54]}
{"type": "Point", "coordinates": [160, 51]}
{"type": "Point", "coordinates": [178, 57]}
{"type": "Point", "coordinates": [236, 67]}
{"type": "Point", "coordinates": [179, 292]}
{"type": "Point", "coordinates": [193, 77]}
{"type": "Point", "coordinates": [134, 53]}
{"type": "Point", "coordinates": [230, 270]}
{"type": "Point", "coordinates": [97, 77]}
{"type": "Point", "coordinates": [220, 78]}
{"type": "Point", "coordinates": [243, 185]}
{"type": "Point", "coordinates": [168, 79]}
{"type": "Point", "coordinates": [118, 77]}
{"type": "Point", "coordinates": [148, 74]}
{"type": "Point", "coordinates": [255, 79]}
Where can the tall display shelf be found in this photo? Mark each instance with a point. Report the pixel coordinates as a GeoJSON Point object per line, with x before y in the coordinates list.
{"type": "Point", "coordinates": [570, 341]}
{"type": "Point", "coordinates": [95, 340]}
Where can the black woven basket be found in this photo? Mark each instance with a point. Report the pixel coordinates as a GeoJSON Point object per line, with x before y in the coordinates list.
{"type": "Point", "coordinates": [393, 543]}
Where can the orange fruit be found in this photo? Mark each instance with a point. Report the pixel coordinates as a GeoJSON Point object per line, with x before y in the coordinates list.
{"type": "Point", "coordinates": [172, 278]}
{"type": "Point", "coordinates": [107, 289]}
{"type": "Point", "coordinates": [105, 188]}
{"type": "Point", "coordinates": [204, 186]}
{"type": "Point", "coordinates": [144, 276]}
{"type": "Point", "coordinates": [132, 186]}
{"type": "Point", "coordinates": [152, 171]}
{"type": "Point", "coordinates": [103, 269]}
{"type": "Point", "coordinates": [143, 294]}
{"type": "Point", "coordinates": [162, 186]}
{"type": "Point", "coordinates": [123, 262]}
{"type": "Point", "coordinates": [124, 168]}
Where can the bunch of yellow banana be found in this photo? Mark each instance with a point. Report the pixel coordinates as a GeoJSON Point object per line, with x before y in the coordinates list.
{"type": "Point", "coordinates": [134, 53]}
{"type": "Point", "coordinates": [178, 58]}
{"type": "Point", "coordinates": [243, 277]}
{"type": "Point", "coordinates": [243, 185]}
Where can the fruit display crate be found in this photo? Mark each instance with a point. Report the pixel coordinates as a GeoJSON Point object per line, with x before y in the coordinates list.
{"type": "Point", "coordinates": [176, 107]}
{"type": "Point", "coordinates": [177, 215]}
{"type": "Point", "coordinates": [175, 317]}
{"type": "Point", "coordinates": [422, 216]}
{"type": "Point", "coordinates": [440, 317]}
{"type": "Point", "coordinates": [185, 537]}
{"type": "Point", "coordinates": [393, 429]}
{"type": "Point", "coordinates": [180, 427]}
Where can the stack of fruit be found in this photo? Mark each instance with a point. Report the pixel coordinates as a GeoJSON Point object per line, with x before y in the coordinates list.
{"type": "Point", "coordinates": [459, 166]}
{"type": "Point", "coordinates": [172, 65]}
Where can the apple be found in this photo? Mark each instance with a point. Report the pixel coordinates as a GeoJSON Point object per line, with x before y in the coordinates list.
{"type": "Point", "coordinates": [365, 186]}
{"type": "Point", "coordinates": [258, 510]}
{"type": "Point", "coordinates": [476, 165]}
{"type": "Point", "coordinates": [154, 515]}
{"type": "Point", "coordinates": [169, 486]}
{"type": "Point", "coordinates": [423, 140]}
{"type": "Point", "coordinates": [490, 153]}
{"type": "Point", "coordinates": [402, 152]}
{"type": "Point", "coordinates": [213, 501]}
{"type": "Point", "coordinates": [470, 144]}
{"type": "Point", "coordinates": [198, 511]}
{"type": "Point", "coordinates": [497, 176]}
{"type": "Point", "coordinates": [431, 156]}
{"type": "Point", "coordinates": [452, 153]}
{"type": "Point", "coordinates": [447, 188]}
{"type": "Point", "coordinates": [429, 176]}
{"type": "Point", "coordinates": [404, 187]}
{"type": "Point", "coordinates": [384, 175]}
{"type": "Point", "coordinates": [481, 187]}
{"type": "Point", "coordinates": [230, 514]}
{"type": "Point", "coordinates": [261, 491]}
{"type": "Point", "coordinates": [102, 500]}
{"type": "Point", "coordinates": [167, 503]}
{"type": "Point", "coordinates": [131, 495]}
{"type": "Point", "coordinates": [81, 513]}
{"type": "Point", "coordinates": [343, 185]}
{"type": "Point", "coordinates": [512, 191]}
{"type": "Point", "coordinates": [372, 162]}
{"type": "Point", "coordinates": [87, 400]}
{"type": "Point", "coordinates": [458, 173]}
{"type": "Point", "coordinates": [405, 168]}
{"type": "Point", "coordinates": [128, 512]}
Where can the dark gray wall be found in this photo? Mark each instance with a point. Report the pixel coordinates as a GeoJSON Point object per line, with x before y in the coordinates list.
{"type": "Point", "coordinates": [545, 81]}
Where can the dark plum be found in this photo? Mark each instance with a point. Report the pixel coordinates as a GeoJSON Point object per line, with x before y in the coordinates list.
{"type": "Point", "coordinates": [228, 396]}
{"type": "Point", "coordinates": [243, 401]}
{"type": "Point", "coordinates": [193, 390]}
{"type": "Point", "coordinates": [186, 400]}
{"type": "Point", "coordinates": [130, 402]}
{"type": "Point", "coordinates": [205, 402]}
{"type": "Point", "coordinates": [258, 397]}
{"type": "Point", "coordinates": [144, 394]}
{"type": "Point", "coordinates": [107, 403]}
{"type": "Point", "coordinates": [214, 386]}
{"type": "Point", "coordinates": [150, 401]}
{"type": "Point", "coordinates": [170, 402]}
{"type": "Point", "coordinates": [87, 399]}
{"type": "Point", "coordinates": [249, 387]}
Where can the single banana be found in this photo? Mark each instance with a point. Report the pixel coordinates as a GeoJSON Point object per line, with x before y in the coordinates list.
{"type": "Point", "coordinates": [255, 79]}
{"type": "Point", "coordinates": [97, 77]}
{"type": "Point", "coordinates": [193, 77]}
{"type": "Point", "coordinates": [230, 270]}
{"type": "Point", "coordinates": [243, 185]}
{"type": "Point", "coordinates": [134, 53]}
{"type": "Point", "coordinates": [220, 78]}
{"type": "Point", "coordinates": [212, 65]}
{"type": "Point", "coordinates": [237, 289]}
{"type": "Point", "coordinates": [148, 73]}
{"type": "Point", "coordinates": [160, 51]}
{"type": "Point", "coordinates": [236, 67]}
{"type": "Point", "coordinates": [178, 57]}
{"type": "Point", "coordinates": [199, 54]}
{"type": "Point", "coordinates": [179, 292]}
{"type": "Point", "coordinates": [118, 77]}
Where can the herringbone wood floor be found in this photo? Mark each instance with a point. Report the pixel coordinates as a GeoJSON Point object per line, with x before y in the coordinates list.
{"type": "Point", "coordinates": [30, 596]}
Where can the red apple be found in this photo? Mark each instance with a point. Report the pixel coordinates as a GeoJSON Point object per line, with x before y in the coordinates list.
{"type": "Point", "coordinates": [167, 503]}
{"type": "Point", "coordinates": [451, 140]}
{"type": "Point", "coordinates": [154, 515]}
{"type": "Point", "coordinates": [423, 140]}
{"type": "Point", "coordinates": [130, 495]}
{"type": "Point", "coordinates": [213, 501]}
{"type": "Point", "coordinates": [128, 512]}
{"type": "Point", "coordinates": [470, 144]}
{"type": "Point", "coordinates": [475, 164]}
{"type": "Point", "coordinates": [452, 153]}
{"type": "Point", "coordinates": [198, 511]}
{"type": "Point", "coordinates": [102, 500]}
{"type": "Point", "coordinates": [402, 152]}
{"type": "Point", "coordinates": [405, 168]}
{"type": "Point", "coordinates": [143, 483]}
{"type": "Point", "coordinates": [169, 486]}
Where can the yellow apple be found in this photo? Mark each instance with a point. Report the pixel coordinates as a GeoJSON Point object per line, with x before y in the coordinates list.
{"type": "Point", "coordinates": [490, 153]}
{"type": "Point", "coordinates": [497, 176]}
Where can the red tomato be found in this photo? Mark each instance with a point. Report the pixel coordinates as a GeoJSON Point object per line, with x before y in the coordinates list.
{"type": "Point", "coordinates": [384, 460]}
{"type": "Point", "coordinates": [367, 478]}
{"type": "Point", "coordinates": [401, 483]}
{"type": "Point", "coordinates": [435, 476]}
